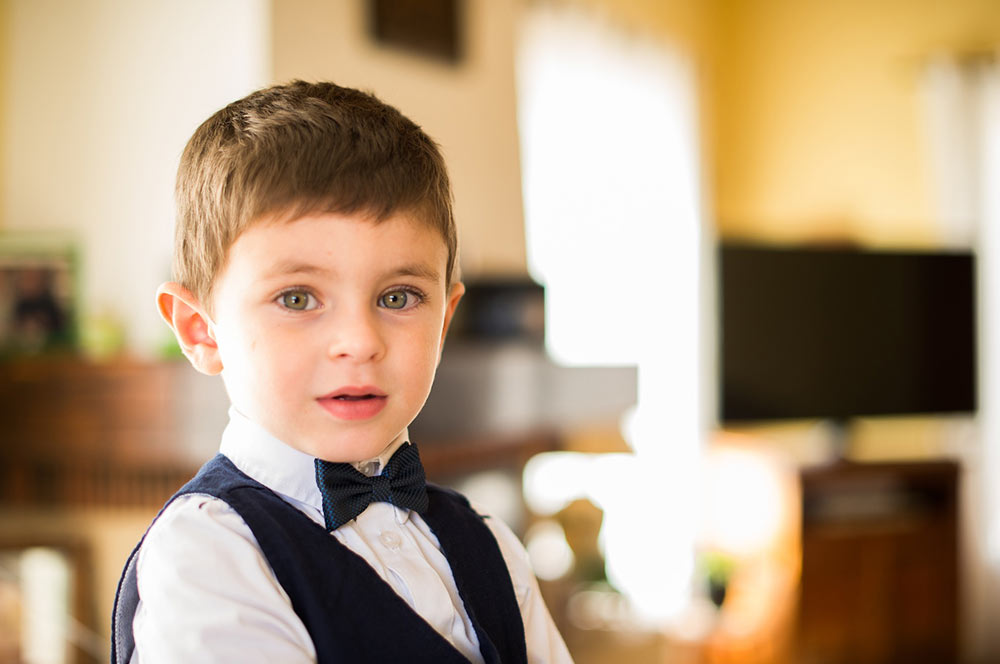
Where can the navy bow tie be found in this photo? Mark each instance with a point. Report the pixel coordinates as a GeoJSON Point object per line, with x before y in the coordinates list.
{"type": "Point", "coordinates": [347, 492]}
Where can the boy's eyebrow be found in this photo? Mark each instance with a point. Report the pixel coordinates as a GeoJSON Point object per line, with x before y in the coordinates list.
{"type": "Point", "coordinates": [294, 267]}
{"type": "Point", "coordinates": [419, 270]}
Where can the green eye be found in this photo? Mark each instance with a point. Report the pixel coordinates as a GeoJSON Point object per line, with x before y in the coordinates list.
{"type": "Point", "coordinates": [296, 300]}
{"type": "Point", "coordinates": [394, 300]}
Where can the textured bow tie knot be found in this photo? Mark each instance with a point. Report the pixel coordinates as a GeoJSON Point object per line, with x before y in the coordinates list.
{"type": "Point", "coordinates": [347, 492]}
{"type": "Point", "coordinates": [381, 489]}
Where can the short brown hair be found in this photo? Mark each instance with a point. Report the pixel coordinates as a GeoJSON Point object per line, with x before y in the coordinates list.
{"type": "Point", "coordinates": [297, 149]}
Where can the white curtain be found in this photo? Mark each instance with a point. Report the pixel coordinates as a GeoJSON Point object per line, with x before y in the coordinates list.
{"type": "Point", "coordinates": [609, 145]}
{"type": "Point", "coordinates": [962, 99]}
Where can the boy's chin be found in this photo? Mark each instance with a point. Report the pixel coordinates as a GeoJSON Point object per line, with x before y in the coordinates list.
{"type": "Point", "coordinates": [347, 449]}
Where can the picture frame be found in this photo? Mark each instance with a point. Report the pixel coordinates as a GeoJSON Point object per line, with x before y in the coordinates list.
{"type": "Point", "coordinates": [38, 285]}
{"type": "Point", "coordinates": [429, 28]}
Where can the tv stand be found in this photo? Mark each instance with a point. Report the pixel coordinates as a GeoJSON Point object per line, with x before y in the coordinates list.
{"type": "Point", "coordinates": [840, 437]}
{"type": "Point", "coordinates": [879, 563]}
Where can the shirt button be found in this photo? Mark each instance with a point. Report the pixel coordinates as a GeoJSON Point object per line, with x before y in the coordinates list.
{"type": "Point", "coordinates": [390, 540]}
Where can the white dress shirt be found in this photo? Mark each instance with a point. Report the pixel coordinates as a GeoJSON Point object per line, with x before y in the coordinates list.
{"type": "Point", "coordinates": [208, 594]}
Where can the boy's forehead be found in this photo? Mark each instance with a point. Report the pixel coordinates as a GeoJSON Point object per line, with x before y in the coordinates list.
{"type": "Point", "coordinates": [403, 243]}
{"type": "Point", "coordinates": [413, 219]}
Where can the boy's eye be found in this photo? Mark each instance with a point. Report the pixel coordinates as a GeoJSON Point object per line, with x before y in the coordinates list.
{"type": "Point", "coordinates": [394, 300]}
{"type": "Point", "coordinates": [297, 300]}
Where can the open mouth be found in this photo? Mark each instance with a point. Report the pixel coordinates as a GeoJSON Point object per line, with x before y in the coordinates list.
{"type": "Point", "coordinates": [354, 403]}
{"type": "Point", "coordinates": [356, 393]}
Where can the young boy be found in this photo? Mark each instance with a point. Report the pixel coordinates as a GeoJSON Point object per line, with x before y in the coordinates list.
{"type": "Point", "coordinates": [315, 261]}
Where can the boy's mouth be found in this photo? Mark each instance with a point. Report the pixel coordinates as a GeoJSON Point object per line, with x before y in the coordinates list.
{"type": "Point", "coordinates": [354, 403]}
{"type": "Point", "coordinates": [356, 393]}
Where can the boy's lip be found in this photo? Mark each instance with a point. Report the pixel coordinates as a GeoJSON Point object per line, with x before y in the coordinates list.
{"type": "Point", "coordinates": [351, 391]}
{"type": "Point", "coordinates": [354, 403]}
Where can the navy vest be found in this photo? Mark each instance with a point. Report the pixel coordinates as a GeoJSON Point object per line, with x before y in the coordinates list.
{"type": "Point", "coordinates": [345, 606]}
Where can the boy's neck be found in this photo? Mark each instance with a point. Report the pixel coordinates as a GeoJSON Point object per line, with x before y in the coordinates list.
{"type": "Point", "coordinates": [370, 467]}
{"type": "Point", "coordinates": [373, 467]}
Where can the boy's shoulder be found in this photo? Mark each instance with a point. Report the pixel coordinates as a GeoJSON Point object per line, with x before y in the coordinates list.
{"type": "Point", "coordinates": [189, 525]}
{"type": "Point", "coordinates": [195, 512]}
{"type": "Point", "coordinates": [197, 519]}
{"type": "Point", "coordinates": [198, 568]}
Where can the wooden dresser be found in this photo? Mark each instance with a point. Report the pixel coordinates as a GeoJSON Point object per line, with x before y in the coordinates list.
{"type": "Point", "coordinates": [880, 580]}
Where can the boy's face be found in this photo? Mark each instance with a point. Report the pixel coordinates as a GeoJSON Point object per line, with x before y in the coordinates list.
{"type": "Point", "coordinates": [329, 329]}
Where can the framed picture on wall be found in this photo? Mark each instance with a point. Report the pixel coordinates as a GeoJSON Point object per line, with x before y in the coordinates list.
{"type": "Point", "coordinates": [37, 293]}
{"type": "Point", "coordinates": [431, 28]}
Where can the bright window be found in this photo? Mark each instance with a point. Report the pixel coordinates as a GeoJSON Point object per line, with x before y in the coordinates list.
{"type": "Point", "coordinates": [610, 169]}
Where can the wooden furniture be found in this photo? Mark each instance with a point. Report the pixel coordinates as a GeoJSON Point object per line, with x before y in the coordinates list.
{"type": "Point", "coordinates": [124, 433]}
{"type": "Point", "coordinates": [879, 564]}
{"type": "Point", "coordinates": [130, 433]}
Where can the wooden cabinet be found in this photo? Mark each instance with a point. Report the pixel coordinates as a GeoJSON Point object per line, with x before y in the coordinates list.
{"type": "Point", "coordinates": [118, 433]}
{"type": "Point", "coordinates": [131, 433]}
{"type": "Point", "coordinates": [879, 564]}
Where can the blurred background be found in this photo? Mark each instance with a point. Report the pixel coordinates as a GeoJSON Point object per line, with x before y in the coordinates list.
{"type": "Point", "coordinates": [727, 363]}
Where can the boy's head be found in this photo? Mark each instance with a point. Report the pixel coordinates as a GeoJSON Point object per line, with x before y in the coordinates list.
{"type": "Point", "coordinates": [315, 259]}
{"type": "Point", "coordinates": [297, 149]}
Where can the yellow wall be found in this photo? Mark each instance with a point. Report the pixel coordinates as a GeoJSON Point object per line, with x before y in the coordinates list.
{"type": "Point", "coordinates": [818, 128]}
{"type": "Point", "coordinates": [811, 109]}
{"type": "Point", "coordinates": [685, 23]}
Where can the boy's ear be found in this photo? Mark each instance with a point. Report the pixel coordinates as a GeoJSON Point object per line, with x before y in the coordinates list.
{"type": "Point", "coordinates": [454, 295]}
{"type": "Point", "coordinates": [191, 325]}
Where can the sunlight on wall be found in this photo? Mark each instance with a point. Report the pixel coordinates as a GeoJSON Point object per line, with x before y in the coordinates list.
{"type": "Point", "coordinates": [609, 161]}
{"type": "Point", "coordinates": [102, 96]}
{"type": "Point", "coordinates": [744, 507]}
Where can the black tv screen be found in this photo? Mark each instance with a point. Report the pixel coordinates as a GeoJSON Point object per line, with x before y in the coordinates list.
{"type": "Point", "coordinates": [817, 333]}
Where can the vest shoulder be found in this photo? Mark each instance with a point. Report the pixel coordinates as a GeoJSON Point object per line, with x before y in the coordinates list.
{"type": "Point", "coordinates": [218, 475]}
{"type": "Point", "coordinates": [448, 494]}
{"type": "Point", "coordinates": [217, 480]}
{"type": "Point", "coordinates": [202, 500]}
{"type": "Point", "coordinates": [457, 501]}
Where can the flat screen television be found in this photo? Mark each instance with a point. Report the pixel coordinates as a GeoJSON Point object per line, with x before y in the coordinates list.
{"type": "Point", "coordinates": [835, 334]}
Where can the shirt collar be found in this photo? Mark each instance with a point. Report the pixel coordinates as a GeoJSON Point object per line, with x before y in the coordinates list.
{"type": "Point", "coordinates": [375, 466]}
{"type": "Point", "coordinates": [282, 468]}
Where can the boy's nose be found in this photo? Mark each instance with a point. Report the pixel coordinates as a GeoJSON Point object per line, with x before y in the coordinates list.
{"type": "Point", "coordinates": [357, 337]}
